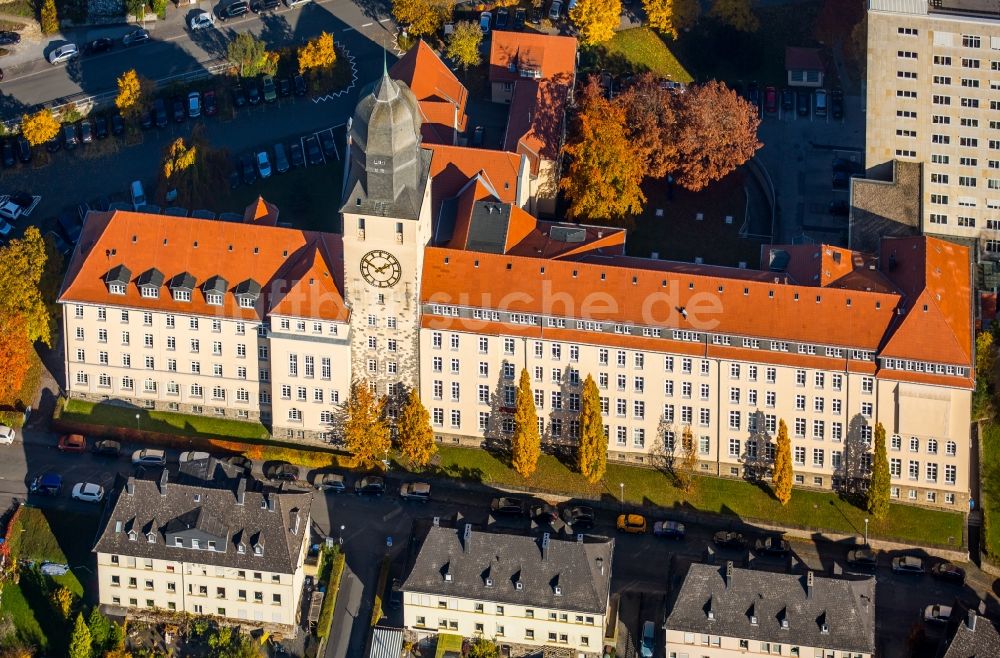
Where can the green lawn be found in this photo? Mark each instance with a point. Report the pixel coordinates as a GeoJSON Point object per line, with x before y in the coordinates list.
{"type": "Point", "coordinates": [26, 626]}
{"type": "Point", "coordinates": [161, 421]}
{"type": "Point", "coordinates": [638, 50]}
{"type": "Point", "coordinates": [989, 474]}
{"type": "Point", "coordinates": [648, 487]}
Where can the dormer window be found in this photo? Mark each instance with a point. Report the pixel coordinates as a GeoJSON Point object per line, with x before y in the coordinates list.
{"type": "Point", "coordinates": [247, 293]}
{"type": "Point", "coordinates": [117, 289]}
{"type": "Point", "coordinates": [246, 301]}
{"type": "Point", "coordinates": [211, 545]}
{"type": "Point", "coordinates": [178, 541]}
{"type": "Point", "coordinates": [151, 538]}
{"type": "Point", "coordinates": [181, 286]}
{"type": "Point", "coordinates": [258, 550]}
{"type": "Point", "coordinates": [214, 298]}
{"type": "Point", "coordinates": [149, 292]}
{"type": "Point", "coordinates": [182, 295]}
{"type": "Point", "coordinates": [195, 543]}
{"type": "Point", "coordinates": [132, 535]}
{"type": "Point", "coordinates": [241, 548]}
{"type": "Point", "coordinates": [149, 283]}
{"type": "Point", "coordinates": [117, 279]}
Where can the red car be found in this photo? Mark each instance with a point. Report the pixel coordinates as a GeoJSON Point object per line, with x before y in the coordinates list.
{"type": "Point", "coordinates": [770, 100]}
{"type": "Point", "coordinates": [72, 443]}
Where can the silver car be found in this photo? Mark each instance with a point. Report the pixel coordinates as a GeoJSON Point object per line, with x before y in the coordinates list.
{"type": "Point", "coordinates": [64, 53]}
{"type": "Point", "coordinates": [149, 457]}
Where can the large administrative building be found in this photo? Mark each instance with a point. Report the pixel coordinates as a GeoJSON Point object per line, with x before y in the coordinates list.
{"type": "Point", "coordinates": [443, 280]}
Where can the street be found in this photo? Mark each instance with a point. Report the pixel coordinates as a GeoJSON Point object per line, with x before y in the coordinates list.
{"type": "Point", "coordinates": [645, 567]}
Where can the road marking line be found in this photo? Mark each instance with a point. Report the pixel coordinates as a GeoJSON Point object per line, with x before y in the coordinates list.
{"type": "Point", "coordinates": [367, 25]}
{"type": "Point", "coordinates": [348, 29]}
{"type": "Point", "coordinates": [384, 20]}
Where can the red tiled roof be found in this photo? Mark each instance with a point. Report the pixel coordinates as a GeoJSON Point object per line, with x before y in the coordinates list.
{"type": "Point", "coordinates": [829, 266]}
{"type": "Point", "coordinates": [276, 258]}
{"type": "Point", "coordinates": [476, 190]}
{"type": "Point", "coordinates": [437, 90]}
{"type": "Point", "coordinates": [261, 212]}
{"type": "Point", "coordinates": [453, 166]}
{"type": "Point", "coordinates": [554, 56]}
{"type": "Point", "coordinates": [802, 59]}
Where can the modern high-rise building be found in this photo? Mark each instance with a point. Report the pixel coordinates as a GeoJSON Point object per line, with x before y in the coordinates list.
{"type": "Point", "coordinates": [934, 98]}
{"type": "Point", "coordinates": [442, 280]}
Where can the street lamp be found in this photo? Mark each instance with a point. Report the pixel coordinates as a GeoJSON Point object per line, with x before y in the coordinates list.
{"type": "Point", "coordinates": [340, 537]}
{"type": "Point", "coordinates": [137, 426]}
{"type": "Point", "coordinates": [866, 531]}
{"type": "Point", "coordinates": [622, 497]}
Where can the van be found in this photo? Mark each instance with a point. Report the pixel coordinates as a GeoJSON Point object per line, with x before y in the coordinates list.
{"type": "Point", "coordinates": [138, 196]}
{"type": "Point", "coordinates": [280, 158]}
{"type": "Point", "coordinates": [820, 96]}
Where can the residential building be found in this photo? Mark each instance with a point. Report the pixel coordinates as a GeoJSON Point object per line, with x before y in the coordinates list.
{"type": "Point", "coordinates": [933, 98]}
{"type": "Point", "coordinates": [442, 279]}
{"type": "Point", "coordinates": [970, 634]}
{"type": "Point", "coordinates": [518, 589]}
{"type": "Point", "coordinates": [441, 98]}
{"type": "Point", "coordinates": [804, 67]}
{"type": "Point", "coordinates": [234, 554]}
{"type": "Point", "coordinates": [723, 612]}
{"type": "Point", "coordinates": [535, 74]}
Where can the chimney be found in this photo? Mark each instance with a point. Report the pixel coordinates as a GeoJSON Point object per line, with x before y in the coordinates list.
{"type": "Point", "coordinates": [447, 572]}
{"type": "Point", "coordinates": [437, 521]}
{"type": "Point", "coordinates": [600, 565]}
{"type": "Point", "coordinates": [130, 485]}
{"type": "Point", "coordinates": [163, 483]}
{"type": "Point", "coordinates": [241, 491]}
{"type": "Point", "coordinates": [270, 503]}
{"type": "Point", "coordinates": [545, 546]}
{"type": "Point", "coordinates": [466, 537]}
{"type": "Point", "coordinates": [579, 538]}
{"type": "Point", "coordinates": [709, 612]}
{"type": "Point", "coordinates": [729, 573]}
{"type": "Point", "coordinates": [293, 520]}
{"type": "Point", "coordinates": [970, 620]}
{"type": "Point", "coordinates": [809, 584]}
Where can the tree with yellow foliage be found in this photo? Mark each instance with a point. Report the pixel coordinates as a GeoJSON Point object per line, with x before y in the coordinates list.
{"type": "Point", "coordinates": [737, 14]}
{"type": "Point", "coordinates": [39, 127]}
{"type": "Point", "coordinates": [22, 292]}
{"type": "Point", "coordinates": [422, 17]}
{"type": "Point", "coordinates": [463, 44]}
{"type": "Point", "coordinates": [49, 18]}
{"type": "Point", "coordinates": [526, 444]}
{"type": "Point", "coordinates": [366, 431]}
{"type": "Point", "coordinates": [318, 53]}
{"type": "Point", "coordinates": [179, 157]}
{"type": "Point", "coordinates": [672, 16]}
{"type": "Point", "coordinates": [592, 451]}
{"type": "Point", "coordinates": [133, 91]}
{"type": "Point", "coordinates": [781, 480]}
{"type": "Point", "coordinates": [416, 437]}
{"type": "Point", "coordinates": [596, 20]}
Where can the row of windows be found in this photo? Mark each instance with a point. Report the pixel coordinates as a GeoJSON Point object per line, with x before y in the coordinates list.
{"type": "Point", "coordinates": [931, 496]}
{"type": "Point", "coordinates": [309, 366]}
{"type": "Point", "coordinates": [500, 632]}
{"type": "Point", "coordinates": [285, 324]}
{"type": "Point", "coordinates": [170, 320]}
{"type": "Point", "coordinates": [202, 590]}
{"type": "Point", "coordinates": [913, 471]}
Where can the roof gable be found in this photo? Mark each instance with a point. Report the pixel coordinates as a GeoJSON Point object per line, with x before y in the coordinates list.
{"type": "Point", "coordinates": [313, 291]}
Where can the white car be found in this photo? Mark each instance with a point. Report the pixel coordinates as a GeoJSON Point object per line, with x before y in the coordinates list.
{"type": "Point", "coordinates": [11, 211]}
{"type": "Point", "coordinates": [64, 53]}
{"type": "Point", "coordinates": [6, 435]}
{"type": "Point", "coordinates": [201, 21]}
{"type": "Point", "coordinates": [263, 164]}
{"type": "Point", "coordinates": [485, 19]}
{"type": "Point", "coordinates": [5, 228]}
{"type": "Point", "coordinates": [149, 457]}
{"type": "Point", "coordinates": [193, 456]}
{"type": "Point", "coordinates": [88, 492]}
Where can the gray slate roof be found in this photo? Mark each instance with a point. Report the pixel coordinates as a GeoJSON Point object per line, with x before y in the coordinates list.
{"type": "Point", "coordinates": [488, 227]}
{"type": "Point", "coordinates": [575, 567]}
{"type": "Point", "coordinates": [983, 642]}
{"type": "Point", "coordinates": [216, 513]}
{"type": "Point", "coordinates": [846, 606]}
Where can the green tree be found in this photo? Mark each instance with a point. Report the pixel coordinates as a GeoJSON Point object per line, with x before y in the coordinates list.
{"type": "Point", "coordinates": [49, 17]}
{"type": "Point", "coordinates": [136, 8]}
{"type": "Point", "coordinates": [247, 53]}
{"type": "Point", "coordinates": [483, 648]}
{"type": "Point", "coordinates": [79, 642]}
{"type": "Point", "coordinates": [159, 8]}
{"type": "Point", "coordinates": [737, 14]}
{"type": "Point", "coordinates": [982, 397]}
{"type": "Point", "coordinates": [116, 637]}
{"type": "Point", "coordinates": [526, 444]}
{"type": "Point", "coordinates": [366, 431]}
{"type": "Point", "coordinates": [422, 17]}
{"type": "Point", "coordinates": [416, 437]}
{"type": "Point", "coordinates": [878, 486]}
{"type": "Point", "coordinates": [672, 16]}
{"type": "Point", "coordinates": [596, 20]}
{"type": "Point", "coordinates": [463, 44]}
{"type": "Point", "coordinates": [22, 267]}
{"type": "Point", "coordinates": [592, 452]}
{"type": "Point", "coordinates": [781, 480]}
{"type": "Point", "coordinates": [100, 629]}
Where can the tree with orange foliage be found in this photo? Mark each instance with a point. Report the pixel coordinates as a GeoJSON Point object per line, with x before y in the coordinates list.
{"type": "Point", "coordinates": [15, 357]}
{"type": "Point", "coordinates": [651, 121]}
{"type": "Point", "coordinates": [603, 177]}
{"type": "Point", "coordinates": [717, 132]}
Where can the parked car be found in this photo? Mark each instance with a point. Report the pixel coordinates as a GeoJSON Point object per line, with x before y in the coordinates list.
{"type": "Point", "coordinates": [520, 16]}
{"type": "Point", "coordinates": [201, 21]}
{"type": "Point", "coordinates": [86, 131]}
{"type": "Point", "coordinates": [291, 4]}
{"type": "Point", "coordinates": [138, 195]}
{"type": "Point", "coordinates": [534, 16]}
{"type": "Point", "coordinates": [235, 9]}
{"type": "Point", "coordinates": [98, 46]}
{"type": "Point", "coordinates": [270, 93]}
{"type": "Point", "coordinates": [819, 102]}
{"type": "Point", "coordinates": [837, 104]}
{"type": "Point", "coordinates": [280, 159]}
{"type": "Point", "coordinates": [555, 10]}
{"type": "Point", "coordinates": [72, 443]}
{"type": "Point", "coordinates": [135, 37]}
{"type": "Point", "coordinates": [263, 164]}
{"type": "Point", "coordinates": [313, 153]}
{"type": "Point", "coordinates": [862, 559]}
{"type": "Point", "coordinates": [396, 594]}
{"type": "Point", "coordinates": [802, 102]}
{"type": "Point", "coordinates": [770, 100]}
{"type": "Point", "coordinates": [47, 484]}
{"type": "Point", "coordinates": [908, 564]}
{"type": "Point", "coordinates": [295, 154]}
{"type": "Point", "coordinates": [728, 539]}
{"type": "Point", "coordinates": [194, 104]}
{"type": "Point", "coordinates": [192, 456]}
{"type": "Point", "coordinates": [209, 105]}
{"type": "Point", "coordinates": [180, 111]}
{"type": "Point", "coordinates": [8, 38]}
{"type": "Point", "coordinates": [63, 54]}
{"type": "Point", "coordinates": [5, 228]}
{"type": "Point", "coordinates": [248, 170]}
{"type": "Point", "coordinates": [503, 16]}
{"type": "Point", "coordinates": [544, 513]}
{"type": "Point", "coordinates": [485, 18]}
{"type": "Point", "coordinates": [508, 506]}
{"type": "Point", "coordinates": [370, 485]}
{"type": "Point", "coordinates": [937, 614]}
{"type": "Point", "coordinates": [101, 126]}
{"type": "Point", "coordinates": [238, 461]}
{"type": "Point", "coordinates": [149, 457]}
{"type": "Point", "coordinates": [333, 482]}
{"type": "Point", "coordinates": [773, 545]}
{"type": "Point", "coordinates": [284, 87]}
{"type": "Point", "coordinates": [253, 92]}
{"type": "Point", "coordinates": [146, 119]}
{"type": "Point", "coordinates": [478, 134]}
{"type": "Point", "coordinates": [578, 517]}
{"type": "Point", "coordinates": [418, 491]}
{"type": "Point", "coordinates": [107, 448]}
{"type": "Point", "coordinates": [949, 572]}
{"type": "Point", "coordinates": [239, 96]}
{"type": "Point", "coordinates": [669, 529]}
{"type": "Point", "coordinates": [11, 212]}
{"type": "Point", "coordinates": [88, 492]}
{"type": "Point", "coordinates": [160, 113]}
{"type": "Point", "coordinates": [23, 148]}
{"type": "Point", "coordinates": [8, 153]}
{"type": "Point", "coordinates": [59, 243]}
{"type": "Point", "coordinates": [634, 524]}
{"type": "Point", "coordinates": [70, 139]}
{"type": "Point", "coordinates": [300, 85]}
{"type": "Point", "coordinates": [7, 435]}
{"type": "Point", "coordinates": [117, 124]}
{"type": "Point", "coordinates": [284, 472]}
{"type": "Point", "coordinates": [787, 100]}
{"type": "Point", "coordinates": [328, 145]}
{"type": "Point", "coordinates": [646, 648]}
{"type": "Point", "coordinates": [70, 225]}
{"type": "Point", "coordinates": [753, 94]}
{"type": "Point", "coordinates": [264, 5]}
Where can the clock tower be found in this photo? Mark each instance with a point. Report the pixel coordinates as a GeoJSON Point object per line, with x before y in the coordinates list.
{"type": "Point", "coordinates": [386, 225]}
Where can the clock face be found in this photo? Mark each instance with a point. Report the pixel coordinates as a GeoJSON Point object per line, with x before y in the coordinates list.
{"type": "Point", "coordinates": [381, 269]}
